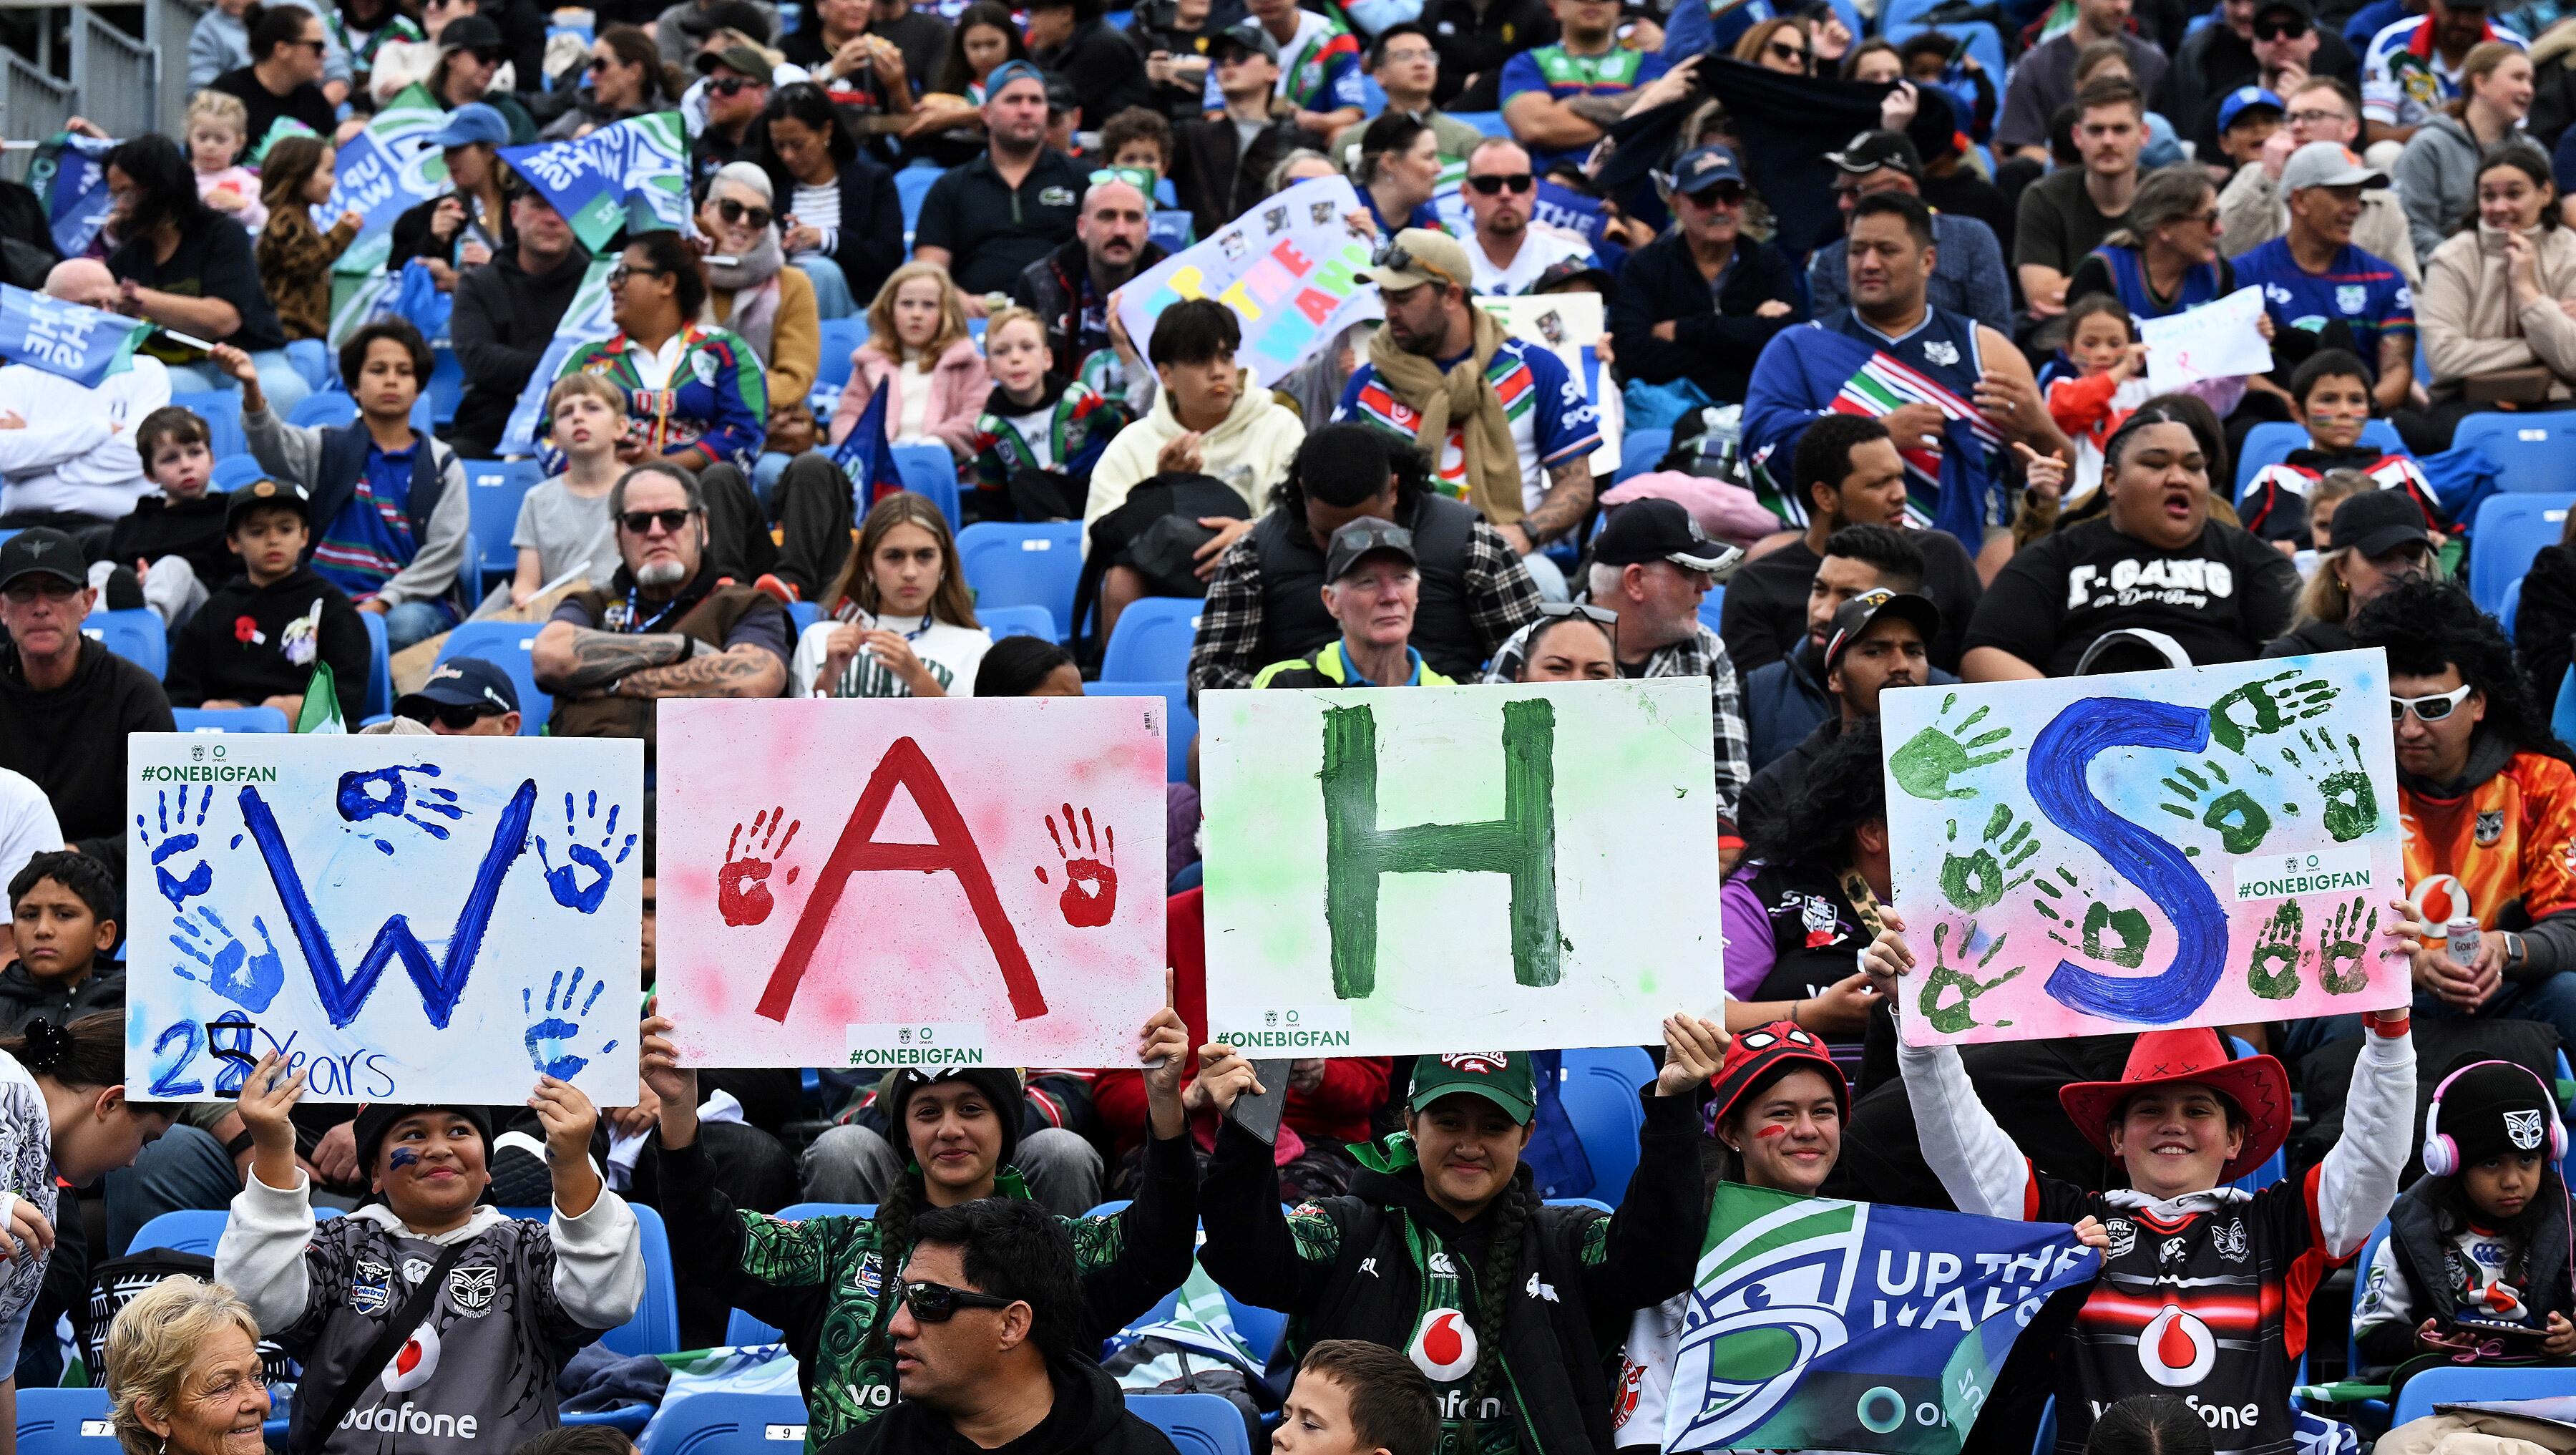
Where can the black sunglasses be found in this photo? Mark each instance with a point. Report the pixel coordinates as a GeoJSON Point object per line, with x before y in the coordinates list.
{"type": "Point", "coordinates": [638, 522]}
{"type": "Point", "coordinates": [729, 85]}
{"type": "Point", "coordinates": [1494, 182]}
{"type": "Point", "coordinates": [596, 65]}
{"type": "Point", "coordinates": [1395, 257]}
{"type": "Point", "coordinates": [618, 275]}
{"type": "Point", "coordinates": [1577, 608]}
{"type": "Point", "coordinates": [1781, 51]}
{"type": "Point", "coordinates": [937, 1303]}
{"type": "Point", "coordinates": [2290, 29]}
{"type": "Point", "coordinates": [1722, 194]}
{"type": "Point", "coordinates": [455, 717]}
{"type": "Point", "coordinates": [319, 47]}
{"type": "Point", "coordinates": [732, 211]}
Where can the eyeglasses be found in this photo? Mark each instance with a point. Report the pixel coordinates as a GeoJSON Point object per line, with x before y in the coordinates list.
{"type": "Point", "coordinates": [937, 1303]}
{"type": "Point", "coordinates": [2280, 30]}
{"type": "Point", "coordinates": [51, 588]}
{"type": "Point", "coordinates": [641, 522]}
{"type": "Point", "coordinates": [1496, 182]}
{"type": "Point", "coordinates": [618, 275]}
{"type": "Point", "coordinates": [1722, 194]}
{"type": "Point", "coordinates": [1395, 257]}
{"type": "Point", "coordinates": [2205, 219]}
{"type": "Point", "coordinates": [1782, 51]}
{"type": "Point", "coordinates": [2313, 116]}
{"type": "Point", "coordinates": [731, 85]}
{"type": "Point", "coordinates": [454, 717]}
{"type": "Point", "coordinates": [2432, 708]}
{"type": "Point", "coordinates": [741, 212]}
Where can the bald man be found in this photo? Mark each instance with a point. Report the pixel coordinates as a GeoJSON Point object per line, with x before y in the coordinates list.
{"type": "Point", "coordinates": [1070, 288]}
{"type": "Point", "coordinates": [66, 452]}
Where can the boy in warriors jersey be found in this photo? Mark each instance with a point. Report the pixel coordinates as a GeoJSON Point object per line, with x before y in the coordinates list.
{"type": "Point", "coordinates": [2204, 1288]}
{"type": "Point", "coordinates": [2333, 394]}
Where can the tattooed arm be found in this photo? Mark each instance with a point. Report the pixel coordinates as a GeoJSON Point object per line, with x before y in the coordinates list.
{"type": "Point", "coordinates": [745, 669]}
{"type": "Point", "coordinates": [1569, 495]}
{"type": "Point", "coordinates": [571, 661]}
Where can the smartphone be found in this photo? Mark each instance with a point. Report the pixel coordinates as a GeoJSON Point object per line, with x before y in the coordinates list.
{"type": "Point", "coordinates": [2484, 1329]}
{"type": "Point", "coordinates": [1260, 1115]}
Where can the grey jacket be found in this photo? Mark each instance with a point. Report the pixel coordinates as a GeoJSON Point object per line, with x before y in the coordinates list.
{"type": "Point", "coordinates": [293, 452]}
{"type": "Point", "coordinates": [2437, 178]}
{"type": "Point", "coordinates": [2253, 212]}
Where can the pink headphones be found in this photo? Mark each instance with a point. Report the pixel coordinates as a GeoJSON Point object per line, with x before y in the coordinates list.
{"type": "Point", "coordinates": [2442, 1155]}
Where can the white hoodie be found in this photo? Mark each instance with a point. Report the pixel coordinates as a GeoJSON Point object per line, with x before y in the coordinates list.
{"type": "Point", "coordinates": [1249, 450]}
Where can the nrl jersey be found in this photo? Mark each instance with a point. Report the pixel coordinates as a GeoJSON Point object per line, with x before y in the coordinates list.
{"type": "Point", "coordinates": [2513, 836]}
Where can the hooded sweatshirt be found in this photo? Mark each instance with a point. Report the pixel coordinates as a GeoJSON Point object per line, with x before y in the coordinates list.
{"type": "Point", "coordinates": [505, 317]}
{"type": "Point", "coordinates": [1089, 1418]}
{"type": "Point", "coordinates": [250, 643]}
{"type": "Point", "coordinates": [71, 741]}
{"type": "Point", "coordinates": [24, 997]}
{"type": "Point", "coordinates": [1249, 450]}
{"type": "Point", "coordinates": [2437, 178]}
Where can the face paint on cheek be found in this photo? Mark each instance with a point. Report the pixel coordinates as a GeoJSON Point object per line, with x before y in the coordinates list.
{"type": "Point", "coordinates": [1764, 1134]}
{"type": "Point", "coordinates": [403, 1157]}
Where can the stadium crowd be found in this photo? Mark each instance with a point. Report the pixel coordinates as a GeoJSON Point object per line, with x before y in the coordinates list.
{"type": "Point", "coordinates": [1870, 407]}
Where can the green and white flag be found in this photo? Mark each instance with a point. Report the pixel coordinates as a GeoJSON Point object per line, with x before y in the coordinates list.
{"type": "Point", "coordinates": [321, 712]}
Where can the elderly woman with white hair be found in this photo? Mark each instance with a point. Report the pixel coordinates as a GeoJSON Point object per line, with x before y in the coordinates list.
{"type": "Point", "coordinates": [750, 288]}
{"type": "Point", "coordinates": [184, 1374]}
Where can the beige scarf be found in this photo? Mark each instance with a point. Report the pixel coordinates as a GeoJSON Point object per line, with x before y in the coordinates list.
{"type": "Point", "coordinates": [1462, 393]}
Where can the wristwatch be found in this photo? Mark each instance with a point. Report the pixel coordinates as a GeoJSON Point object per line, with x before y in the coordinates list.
{"type": "Point", "coordinates": [2515, 951]}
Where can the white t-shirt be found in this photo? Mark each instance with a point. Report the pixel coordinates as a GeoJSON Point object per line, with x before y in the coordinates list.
{"type": "Point", "coordinates": [27, 823]}
{"type": "Point", "coordinates": [27, 1164]}
{"type": "Point", "coordinates": [952, 653]}
{"type": "Point", "coordinates": [912, 392]}
{"type": "Point", "coordinates": [820, 209]}
{"type": "Point", "coordinates": [1542, 248]}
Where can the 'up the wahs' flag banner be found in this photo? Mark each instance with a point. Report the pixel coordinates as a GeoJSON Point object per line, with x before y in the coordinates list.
{"type": "Point", "coordinates": [1821, 1325]}
{"type": "Point", "coordinates": [633, 175]}
{"type": "Point", "coordinates": [82, 344]}
{"type": "Point", "coordinates": [385, 171]}
{"type": "Point", "coordinates": [69, 176]}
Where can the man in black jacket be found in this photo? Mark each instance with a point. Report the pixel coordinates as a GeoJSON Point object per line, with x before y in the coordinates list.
{"type": "Point", "coordinates": [1069, 288]}
{"type": "Point", "coordinates": [1702, 300]}
{"type": "Point", "coordinates": [66, 703]}
{"type": "Point", "coordinates": [507, 311]}
{"type": "Point", "coordinates": [1068, 38]}
{"type": "Point", "coordinates": [1216, 172]}
{"type": "Point", "coordinates": [984, 1346]}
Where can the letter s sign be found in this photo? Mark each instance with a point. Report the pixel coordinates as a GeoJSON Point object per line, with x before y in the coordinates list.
{"type": "Point", "coordinates": [2058, 759]}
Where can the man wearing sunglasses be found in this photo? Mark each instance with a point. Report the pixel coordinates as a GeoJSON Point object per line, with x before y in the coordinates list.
{"type": "Point", "coordinates": [1700, 302]}
{"type": "Point", "coordinates": [1221, 164]}
{"type": "Point", "coordinates": [735, 91]}
{"type": "Point", "coordinates": [2486, 799]}
{"type": "Point", "coordinates": [984, 1346]}
{"type": "Point", "coordinates": [2044, 80]}
{"type": "Point", "coordinates": [1560, 100]}
{"type": "Point", "coordinates": [2267, 43]}
{"type": "Point", "coordinates": [465, 697]}
{"type": "Point", "coordinates": [66, 702]}
{"type": "Point", "coordinates": [1511, 246]}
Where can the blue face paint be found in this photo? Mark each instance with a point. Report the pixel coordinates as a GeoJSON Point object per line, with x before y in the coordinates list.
{"type": "Point", "coordinates": [403, 1157]}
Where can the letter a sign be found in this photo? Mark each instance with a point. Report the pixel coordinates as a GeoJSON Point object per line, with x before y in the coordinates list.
{"type": "Point", "coordinates": [1396, 872]}
{"type": "Point", "coordinates": [888, 882]}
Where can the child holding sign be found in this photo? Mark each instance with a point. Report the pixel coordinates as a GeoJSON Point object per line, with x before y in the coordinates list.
{"type": "Point", "coordinates": [832, 1283]}
{"type": "Point", "coordinates": [2204, 1286]}
{"type": "Point", "coordinates": [1442, 1247]}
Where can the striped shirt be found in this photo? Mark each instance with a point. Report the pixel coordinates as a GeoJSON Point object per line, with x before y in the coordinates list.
{"type": "Point", "coordinates": [369, 542]}
{"type": "Point", "coordinates": [1552, 419]}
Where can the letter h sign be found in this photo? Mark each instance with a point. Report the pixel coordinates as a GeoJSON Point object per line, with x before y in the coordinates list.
{"type": "Point", "coordinates": [1522, 844]}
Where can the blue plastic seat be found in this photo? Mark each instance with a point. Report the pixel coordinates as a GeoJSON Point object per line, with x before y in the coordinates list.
{"type": "Point", "coordinates": [931, 471]}
{"type": "Point", "coordinates": [233, 472]}
{"type": "Point", "coordinates": [137, 635]}
{"type": "Point", "coordinates": [1640, 449]}
{"type": "Point", "coordinates": [446, 384]}
{"type": "Point", "coordinates": [1710, 605]}
{"type": "Point", "coordinates": [1018, 621]}
{"type": "Point", "coordinates": [1152, 641]}
{"type": "Point", "coordinates": [1598, 1088]}
{"type": "Point", "coordinates": [1180, 728]}
{"type": "Point", "coordinates": [221, 410]}
{"type": "Point", "coordinates": [511, 646]}
{"type": "Point", "coordinates": [841, 339]}
{"type": "Point", "coordinates": [230, 720]}
{"type": "Point", "coordinates": [655, 1329]}
{"type": "Point", "coordinates": [1198, 1424]}
{"type": "Point", "coordinates": [493, 490]}
{"type": "Point", "coordinates": [194, 1230]}
{"type": "Point", "coordinates": [2535, 452]}
{"type": "Point", "coordinates": [2510, 530]}
{"type": "Point", "coordinates": [2269, 443]}
{"type": "Point", "coordinates": [1023, 565]}
{"type": "Point", "coordinates": [378, 699]}
{"type": "Point", "coordinates": [723, 1423]}
{"type": "Point", "coordinates": [2511, 607]}
{"type": "Point", "coordinates": [2454, 1384]}
{"type": "Point", "coordinates": [325, 409]}
{"type": "Point", "coordinates": [65, 1422]}
{"type": "Point", "coordinates": [911, 186]}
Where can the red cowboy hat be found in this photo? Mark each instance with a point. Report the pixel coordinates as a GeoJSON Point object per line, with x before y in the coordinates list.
{"type": "Point", "coordinates": [2257, 1084]}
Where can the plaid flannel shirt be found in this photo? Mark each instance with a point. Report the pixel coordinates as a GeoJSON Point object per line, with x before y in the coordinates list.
{"type": "Point", "coordinates": [1698, 655]}
{"type": "Point", "coordinates": [1501, 601]}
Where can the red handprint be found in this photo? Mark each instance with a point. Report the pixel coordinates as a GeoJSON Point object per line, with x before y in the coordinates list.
{"type": "Point", "coordinates": [742, 885]}
{"type": "Point", "coordinates": [1090, 895]}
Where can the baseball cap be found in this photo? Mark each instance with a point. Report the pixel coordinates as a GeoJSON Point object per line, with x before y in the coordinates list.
{"type": "Point", "coordinates": [1009, 71]}
{"type": "Point", "coordinates": [1853, 618]}
{"type": "Point", "coordinates": [745, 60]}
{"type": "Point", "coordinates": [1572, 270]}
{"type": "Point", "coordinates": [2244, 99]}
{"type": "Point", "coordinates": [2300, 8]}
{"type": "Point", "coordinates": [1660, 530]}
{"type": "Point", "coordinates": [41, 551]}
{"type": "Point", "coordinates": [465, 682]}
{"type": "Point", "coordinates": [472, 122]}
{"type": "Point", "coordinates": [2328, 164]}
{"type": "Point", "coordinates": [1501, 1077]}
{"type": "Point", "coordinates": [1417, 256]}
{"type": "Point", "coordinates": [1366, 536]}
{"type": "Point", "coordinates": [250, 497]}
{"type": "Point", "coordinates": [1872, 150]}
{"type": "Point", "coordinates": [2375, 522]}
{"type": "Point", "coordinates": [470, 33]}
{"type": "Point", "coordinates": [2131, 649]}
{"type": "Point", "coordinates": [1247, 34]}
{"type": "Point", "coordinates": [1706, 167]}
{"type": "Point", "coordinates": [1062, 98]}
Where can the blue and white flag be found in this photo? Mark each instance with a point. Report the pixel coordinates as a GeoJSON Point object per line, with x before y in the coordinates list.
{"type": "Point", "coordinates": [82, 344]}
{"type": "Point", "coordinates": [1823, 1325]}
{"type": "Point", "coordinates": [865, 456]}
{"type": "Point", "coordinates": [69, 175]}
{"type": "Point", "coordinates": [385, 171]}
{"type": "Point", "coordinates": [633, 175]}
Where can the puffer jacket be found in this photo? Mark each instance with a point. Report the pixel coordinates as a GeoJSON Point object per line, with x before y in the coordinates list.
{"type": "Point", "coordinates": [2470, 324]}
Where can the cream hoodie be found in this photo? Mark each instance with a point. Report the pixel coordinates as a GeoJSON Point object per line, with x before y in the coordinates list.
{"type": "Point", "coordinates": [2467, 315]}
{"type": "Point", "coordinates": [1249, 451]}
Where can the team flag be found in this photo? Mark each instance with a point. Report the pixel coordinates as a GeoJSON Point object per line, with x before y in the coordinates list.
{"type": "Point", "coordinates": [82, 344]}
{"type": "Point", "coordinates": [321, 712]}
{"type": "Point", "coordinates": [865, 456]}
{"type": "Point", "coordinates": [1948, 490]}
{"type": "Point", "coordinates": [629, 176]}
{"type": "Point", "coordinates": [69, 176]}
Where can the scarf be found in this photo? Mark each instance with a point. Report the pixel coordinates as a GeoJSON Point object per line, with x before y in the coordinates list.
{"type": "Point", "coordinates": [752, 280]}
{"type": "Point", "coordinates": [1462, 393]}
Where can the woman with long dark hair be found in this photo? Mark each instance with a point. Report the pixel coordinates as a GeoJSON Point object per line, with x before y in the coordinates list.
{"type": "Point", "coordinates": [843, 222]}
{"type": "Point", "coordinates": [2492, 308]}
{"type": "Point", "coordinates": [899, 620]}
{"type": "Point", "coordinates": [948, 127]}
{"type": "Point", "coordinates": [623, 76]}
{"type": "Point", "coordinates": [176, 268]}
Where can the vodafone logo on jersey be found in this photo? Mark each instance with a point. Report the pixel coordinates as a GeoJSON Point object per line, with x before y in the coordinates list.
{"type": "Point", "coordinates": [2176, 1349]}
{"type": "Point", "coordinates": [1445, 1346]}
{"type": "Point", "coordinates": [414, 1363]}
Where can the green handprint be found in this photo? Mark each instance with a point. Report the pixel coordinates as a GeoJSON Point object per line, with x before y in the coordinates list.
{"type": "Point", "coordinates": [2273, 973]}
{"type": "Point", "coordinates": [2129, 950]}
{"type": "Point", "coordinates": [2346, 938]}
{"type": "Point", "coordinates": [1927, 761]}
{"type": "Point", "coordinates": [1976, 880]}
{"type": "Point", "coordinates": [1960, 1014]}
{"type": "Point", "coordinates": [2267, 707]}
{"type": "Point", "coordinates": [2240, 821]}
{"type": "Point", "coordinates": [2352, 805]}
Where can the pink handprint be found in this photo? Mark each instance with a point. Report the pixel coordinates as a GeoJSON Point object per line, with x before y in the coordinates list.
{"type": "Point", "coordinates": [1090, 897]}
{"type": "Point", "coordinates": [742, 885]}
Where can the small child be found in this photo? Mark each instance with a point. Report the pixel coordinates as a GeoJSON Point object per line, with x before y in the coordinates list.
{"type": "Point", "coordinates": [63, 909]}
{"type": "Point", "coordinates": [1040, 434]}
{"type": "Point", "coordinates": [218, 129]}
{"type": "Point", "coordinates": [2109, 383]}
{"type": "Point", "coordinates": [176, 538]}
{"type": "Point", "coordinates": [294, 258]}
{"type": "Point", "coordinates": [1356, 1398]}
{"type": "Point", "coordinates": [563, 523]}
{"type": "Point", "coordinates": [2246, 120]}
{"type": "Point", "coordinates": [2475, 1264]}
{"type": "Point", "coordinates": [513, 1301]}
{"type": "Point", "coordinates": [2332, 391]}
{"type": "Point", "coordinates": [255, 642]}
{"type": "Point", "coordinates": [2331, 489]}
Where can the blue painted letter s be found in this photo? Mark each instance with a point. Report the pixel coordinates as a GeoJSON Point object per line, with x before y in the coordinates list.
{"type": "Point", "coordinates": [2058, 759]}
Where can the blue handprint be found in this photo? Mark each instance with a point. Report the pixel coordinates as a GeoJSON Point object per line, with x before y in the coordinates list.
{"type": "Point", "coordinates": [547, 1048]}
{"type": "Point", "coordinates": [232, 971]}
{"type": "Point", "coordinates": [565, 882]}
{"type": "Point", "coordinates": [171, 845]}
{"type": "Point", "coordinates": [382, 792]}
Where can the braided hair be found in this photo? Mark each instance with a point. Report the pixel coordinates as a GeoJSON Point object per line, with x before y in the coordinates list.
{"type": "Point", "coordinates": [1517, 1204]}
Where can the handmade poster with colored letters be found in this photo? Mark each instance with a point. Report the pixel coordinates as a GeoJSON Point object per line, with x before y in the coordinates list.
{"type": "Point", "coordinates": [883, 882]}
{"type": "Point", "coordinates": [402, 918]}
{"type": "Point", "coordinates": [1444, 868]}
{"type": "Point", "coordinates": [1288, 268]}
{"type": "Point", "coordinates": [2085, 856]}
{"type": "Point", "coordinates": [1568, 325]}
